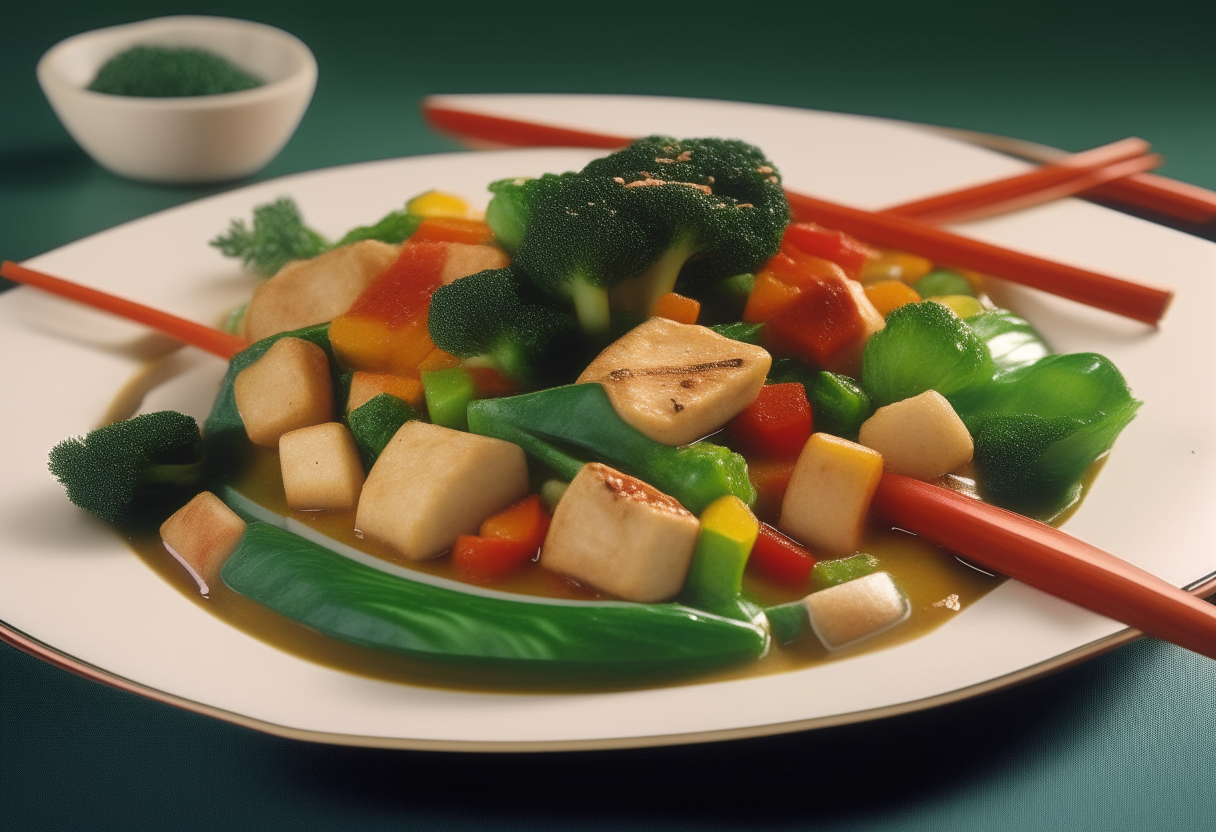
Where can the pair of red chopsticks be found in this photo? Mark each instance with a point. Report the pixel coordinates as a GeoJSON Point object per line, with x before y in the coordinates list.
{"type": "Point", "coordinates": [912, 226]}
{"type": "Point", "coordinates": [1025, 549]}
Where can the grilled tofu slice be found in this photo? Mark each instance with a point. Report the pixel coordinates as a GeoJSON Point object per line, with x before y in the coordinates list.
{"type": "Point", "coordinates": [677, 383]}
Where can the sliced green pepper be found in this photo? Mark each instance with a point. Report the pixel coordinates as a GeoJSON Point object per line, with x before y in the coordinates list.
{"type": "Point", "coordinates": [448, 393]}
{"type": "Point", "coordinates": [551, 425]}
{"type": "Point", "coordinates": [341, 598]}
{"type": "Point", "coordinates": [715, 577]}
{"type": "Point", "coordinates": [838, 404]}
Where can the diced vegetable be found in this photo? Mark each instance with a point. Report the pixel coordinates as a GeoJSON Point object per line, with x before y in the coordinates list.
{"type": "Point", "coordinates": [715, 577]}
{"type": "Point", "coordinates": [838, 404]}
{"type": "Point", "coordinates": [676, 307]}
{"type": "Point", "coordinates": [890, 294]}
{"type": "Point", "coordinates": [829, 321]}
{"type": "Point", "coordinates": [448, 394]}
{"type": "Point", "coordinates": [642, 541]}
{"type": "Point", "coordinates": [839, 570]}
{"type": "Point", "coordinates": [779, 559]}
{"type": "Point", "coordinates": [777, 423]}
{"type": "Point", "coordinates": [365, 386]}
{"type": "Point", "coordinates": [845, 251]}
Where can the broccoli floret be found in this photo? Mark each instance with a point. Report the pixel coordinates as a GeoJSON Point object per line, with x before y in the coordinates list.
{"type": "Point", "coordinates": [584, 234]}
{"type": "Point", "coordinates": [277, 237]}
{"type": "Point", "coordinates": [508, 212]}
{"type": "Point", "coordinates": [716, 204]}
{"type": "Point", "coordinates": [133, 472]}
{"type": "Point", "coordinates": [495, 315]}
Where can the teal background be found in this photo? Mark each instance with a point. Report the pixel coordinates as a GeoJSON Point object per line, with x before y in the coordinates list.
{"type": "Point", "coordinates": [1124, 742]}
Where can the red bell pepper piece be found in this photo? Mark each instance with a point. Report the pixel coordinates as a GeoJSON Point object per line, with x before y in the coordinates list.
{"type": "Point", "coordinates": [402, 293]}
{"type": "Point", "coordinates": [483, 560]}
{"type": "Point", "coordinates": [776, 557]}
{"type": "Point", "coordinates": [842, 249]}
{"type": "Point", "coordinates": [507, 541]}
{"type": "Point", "coordinates": [526, 522]}
{"type": "Point", "coordinates": [776, 424]}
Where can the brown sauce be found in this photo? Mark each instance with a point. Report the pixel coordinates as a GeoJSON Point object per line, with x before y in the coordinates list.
{"type": "Point", "coordinates": [938, 586]}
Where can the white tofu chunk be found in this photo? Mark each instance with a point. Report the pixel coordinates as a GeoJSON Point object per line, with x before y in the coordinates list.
{"type": "Point", "coordinates": [201, 535]}
{"type": "Point", "coordinates": [286, 389]}
{"type": "Point", "coordinates": [921, 437]}
{"type": "Point", "coordinates": [307, 292]}
{"type": "Point", "coordinates": [321, 467]}
{"type": "Point", "coordinates": [845, 614]}
{"type": "Point", "coordinates": [829, 494]}
{"type": "Point", "coordinates": [677, 383]}
{"type": "Point", "coordinates": [620, 535]}
{"type": "Point", "coordinates": [432, 484]}
{"type": "Point", "coordinates": [464, 259]}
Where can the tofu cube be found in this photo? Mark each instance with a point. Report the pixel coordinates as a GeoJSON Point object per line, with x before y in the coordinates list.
{"type": "Point", "coordinates": [286, 389]}
{"type": "Point", "coordinates": [829, 494]}
{"type": "Point", "coordinates": [921, 437]}
{"type": "Point", "coordinates": [201, 535]}
{"type": "Point", "coordinates": [620, 535]}
{"type": "Point", "coordinates": [321, 467]}
{"type": "Point", "coordinates": [678, 383]}
{"type": "Point", "coordinates": [857, 609]}
{"type": "Point", "coordinates": [307, 292]}
{"type": "Point", "coordinates": [432, 484]}
{"type": "Point", "coordinates": [464, 259]}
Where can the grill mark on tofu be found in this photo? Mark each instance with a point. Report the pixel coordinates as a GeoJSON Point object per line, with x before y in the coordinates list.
{"type": "Point", "coordinates": [689, 369]}
{"type": "Point", "coordinates": [629, 488]}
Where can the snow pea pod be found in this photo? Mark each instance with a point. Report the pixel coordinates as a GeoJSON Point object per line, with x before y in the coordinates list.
{"type": "Point", "coordinates": [582, 416]}
{"type": "Point", "coordinates": [347, 600]}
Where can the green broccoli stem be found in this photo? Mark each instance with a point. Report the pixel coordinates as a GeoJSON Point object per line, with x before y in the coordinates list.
{"type": "Point", "coordinates": [640, 294]}
{"type": "Point", "coordinates": [174, 474]}
{"type": "Point", "coordinates": [590, 307]}
{"type": "Point", "coordinates": [581, 415]}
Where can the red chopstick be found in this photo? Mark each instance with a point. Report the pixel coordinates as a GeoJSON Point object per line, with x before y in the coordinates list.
{"type": "Point", "coordinates": [212, 340]}
{"type": "Point", "coordinates": [1123, 297]}
{"type": "Point", "coordinates": [1168, 197]}
{"type": "Point", "coordinates": [1070, 175]}
{"type": "Point", "coordinates": [1050, 560]}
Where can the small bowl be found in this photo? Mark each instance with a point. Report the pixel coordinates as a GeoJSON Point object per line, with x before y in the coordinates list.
{"type": "Point", "coordinates": [193, 139]}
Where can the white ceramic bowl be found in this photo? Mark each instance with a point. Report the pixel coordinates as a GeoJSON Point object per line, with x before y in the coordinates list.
{"type": "Point", "coordinates": [206, 138]}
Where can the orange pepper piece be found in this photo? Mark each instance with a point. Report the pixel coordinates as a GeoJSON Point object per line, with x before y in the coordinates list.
{"type": "Point", "coordinates": [676, 307]}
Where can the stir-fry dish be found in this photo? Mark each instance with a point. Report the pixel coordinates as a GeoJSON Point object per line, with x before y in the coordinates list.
{"type": "Point", "coordinates": [629, 422]}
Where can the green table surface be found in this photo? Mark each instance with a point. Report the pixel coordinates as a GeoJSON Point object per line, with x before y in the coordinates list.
{"type": "Point", "coordinates": [1125, 741]}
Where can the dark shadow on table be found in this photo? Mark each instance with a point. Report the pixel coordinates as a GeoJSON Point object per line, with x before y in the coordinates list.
{"type": "Point", "coordinates": [858, 772]}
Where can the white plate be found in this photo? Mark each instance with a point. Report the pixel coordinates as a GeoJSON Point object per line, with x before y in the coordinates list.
{"type": "Point", "coordinates": [73, 594]}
